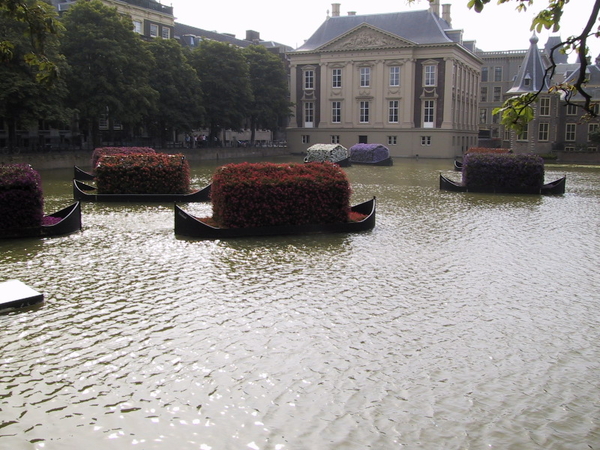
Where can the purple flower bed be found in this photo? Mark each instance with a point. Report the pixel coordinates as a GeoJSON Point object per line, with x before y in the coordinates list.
{"type": "Point", "coordinates": [109, 151]}
{"type": "Point", "coordinates": [21, 199]}
{"type": "Point", "coordinates": [369, 153]}
{"type": "Point", "coordinates": [505, 171]}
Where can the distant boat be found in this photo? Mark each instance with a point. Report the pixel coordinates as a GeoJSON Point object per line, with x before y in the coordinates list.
{"type": "Point", "coordinates": [556, 187]}
{"type": "Point", "coordinates": [80, 174]}
{"type": "Point", "coordinates": [66, 221]}
{"type": "Point", "coordinates": [85, 192]}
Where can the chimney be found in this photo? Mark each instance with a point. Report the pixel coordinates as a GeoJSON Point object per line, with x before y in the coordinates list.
{"type": "Point", "coordinates": [351, 13]}
{"type": "Point", "coordinates": [434, 7]}
{"type": "Point", "coordinates": [335, 10]}
{"type": "Point", "coordinates": [446, 13]}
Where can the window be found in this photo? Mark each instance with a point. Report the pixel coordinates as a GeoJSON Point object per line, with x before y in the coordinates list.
{"type": "Point", "coordinates": [524, 135]}
{"type": "Point", "coordinates": [392, 140]}
{"type": "Point", "coordinates": [306, 139]}
{"type": "Point", "coordinates": [571, 110]}
{"type": "Point", "coordinates": [544, 106]}
{"type": "Point", "coordinates": [336, 112]}
{"type": "Point", "coordinates": [428, 113]}
{"type": "Point", "coordinates": [484, 93]}
{"type": "Point", "coordinates": [482, 115]}
{"type": "Point", "coordinates": [496, 118]}
{"type": "Point", "coordinates": [336, 78]}
{"type": "Point", "coordinates": [153, 30]}
{"type": "Point", "coordinates": [484, 74]}
{"type": "Point", "coordinates": [570, 132]}
{"type": "Point", "coordinates": [543, 131]}
{"type": "Point", "coordinates": [425, 140]}
{"type": "Point", "coordinates": [365, 76]}
{"type": "Point", "coordinates": [309, 114]}
{"type": "Point", "coordinates": [309, 79]}
{"type": "Point", "coordinates": [497, 73]}
{"type": "Point", "coordinates": [137, 26]}
{"type": "Point", "coordinates": [393, 111]}
{"type": "Point", "coordinates": [430, 70]}
{"type": "Point", "coordinates": [166, 33]}
{"type": "Point", "coordinates": [335, 139]}
{"type": "Point", "coordinates": [592, 128]}
{"type": "Point", "coordinates": [497, 93]}
{"type": "Point", "coordinates": [364, 112]}
{"type": "Point", "coordinates": [507, 134]}
{"type": "Point", "coordinates": [394, 75]}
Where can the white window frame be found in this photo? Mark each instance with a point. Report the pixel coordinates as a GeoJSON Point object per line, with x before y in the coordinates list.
{"type": "Point", "coordinates": [364, 107]}
{"type": "Point", "coordinates": [483, 115]}
{"type": "Point", "coordinates": [430, 75]}
{"type": "Point", "coordinates": [524, 135]}
{"type": "Point", "coordinates": [497, 95]}
{"type": "Point", "coordinates": [543, 131]}
{"type": "Point", "coordinates": [336, 113]}
{"type": "Point", "coordinates": [570, 132]}
{"type": "Point", "coordinates": [544, 106]}
{"type": "Point", "coordinates": [309, 79]}
{"type": "Point", "coordinates": [336, 78]}
{"type": "Point", "coordinates": [571, 110]}
{"type": "Point", "coordinates": [394, 76]}
{"type": "Point", "coordinates": [166, 33]}
{"type": "Point", "coordinates": [137, 27]}
{"type": "Point", "coordinates": [393, 111]}
{"type": "Point", "coordinates": [365, 77]}
{"type": "Point", "coordinates": [428, 113]}
{"type": "Point", "coordinates": [153, 30]}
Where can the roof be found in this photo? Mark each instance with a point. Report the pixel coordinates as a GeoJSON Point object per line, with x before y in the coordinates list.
{"type": "Point", "coordinates": [420, 27]}
{"type": "Point", "coordinates": [530, 77]}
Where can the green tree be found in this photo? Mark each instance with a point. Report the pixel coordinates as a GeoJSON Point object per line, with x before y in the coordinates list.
{"type": "Point", "coordinates": [23, 99]}
{"type": "Point", "coordinates": [270, 106]}
{"type": "Point", "coordinates": [223, 73]}
{"type": "Point", "coordinates": [176, 81]}
{"type": "Point", "coordinates": [517, 111]}
{"type": "Point", "coordinates": [110, 68]}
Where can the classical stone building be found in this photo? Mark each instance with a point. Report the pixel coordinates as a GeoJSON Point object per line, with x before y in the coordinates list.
{"type": "Point", "coordinates": [406, 80]}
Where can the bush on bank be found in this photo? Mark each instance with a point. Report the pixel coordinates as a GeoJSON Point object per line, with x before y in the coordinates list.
{"type": "Point", "coordinates": [150, 173]}
{"type": "Point", "coordinates": [107, 151]}
{"type": "Point", "coordinates": [506, 171]}
{"type": "Point", "coordinates": [267, 194]}
{"type": "Point", "coordinates": [21, 198]}
{"type": "Point", "coordinates": [369, 153]}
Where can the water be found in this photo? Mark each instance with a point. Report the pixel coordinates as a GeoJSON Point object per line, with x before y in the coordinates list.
{"type": "Point", "coordinates": [462, 321]}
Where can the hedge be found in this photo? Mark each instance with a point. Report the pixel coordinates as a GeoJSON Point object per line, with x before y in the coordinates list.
{"type": "Point", "coordinates": [506, 171]}
{"type": "Point", "coordinates": [143, 174]}
{"type": "Point", "coordinates": [268, 194]}
{"type": "Point", "coordinates": [326, 152]}
{"type": "Point", "coordinates": [21, 198]}
{"type": "Point", "coordinates": [369, 153]}
{"type": "Point", "coordinates": [107, 151]}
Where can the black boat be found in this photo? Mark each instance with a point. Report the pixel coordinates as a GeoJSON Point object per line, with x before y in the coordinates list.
{"type": "Point", "coordinates": [85, 192]}
{"type": "Point", "coordinates": [556, 187]}
{"type": "Point", "coordinates": [80, 174]}
{"type": "Point", "coordinates": [384, 162]}
{"type": "Point", "coordinates": [188, 225]}
{"type": "Point", "coordinates": [69, 221]}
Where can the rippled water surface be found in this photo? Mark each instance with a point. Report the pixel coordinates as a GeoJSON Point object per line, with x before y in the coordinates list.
{"type": "Point", "coordinates": [462, 321]}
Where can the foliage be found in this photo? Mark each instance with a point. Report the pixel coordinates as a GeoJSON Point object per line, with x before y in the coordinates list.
{"type": "Point", "coordinates": [370, 153]}
{"type": "Point", "coordinates": [226, 92]}
{"type": "Point", "coordinates": [106, 151]}
{"type": "Point", "coordinates": [506, 171]}
{"type": "Point", "coordinates": [110, 66]}
{"type": "Point", "coordinates": [21, 199]}
{"type": "Point", "coordinates": [326, 152]}
{"type": "Point", "coordinates": [267, 194]}
{"type": "Point", "coordinates": [143, 173]}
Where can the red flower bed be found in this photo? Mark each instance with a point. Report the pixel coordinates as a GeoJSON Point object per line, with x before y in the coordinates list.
{"type": "Point", "coordinates": [107, 151]}
{"type": "Point", "coordinates": [21, 199]}
{"type": "Point", "coordinates": [266, 194]}
{"type": "Point", "coordinates": [143, 174]}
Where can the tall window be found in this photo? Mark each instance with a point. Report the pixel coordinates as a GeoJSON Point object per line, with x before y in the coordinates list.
{"type": "Point", "coordinates": [364, 112]}
{"type": "Point", "coordinates": [430, 73]}
{"type": "Point", "coordinates": [336, 80]}
{"type": "Point", "coordinates": [484, 74]}
{"type": "Point", "coordinates": [153, 30]}
{"type": "Point", "coordinates": [365, 76]}
{"type": "Point", "coordinates": [309, 114]}
{"type": "Point", "coordinates": [137, 26]}
{"type": "Point", "coordinates": [570, 132]}
{"type": "Point", "coordinates": [428, 113]}
{"type": "Point", "coordinates": [166, 33]}
{"type": "Point", "coordinates": [484, 93]}
{"type": "Point", "coordinates": [571, 110]}
{"type": "Point", "coordinates": [393, 111]}
{"type": "Point", "coordinates": [523, 135]}
{"type": "Point", "coordinates": [543, 131]}
{"type": "Point", "coordinates": [309, 79]}
{"type": "Point", "coordinates": [483, 115]}
{"type": "Point", "coordinates": [497, 73]}
{"type": "Point", "coordinates": [497, 93]}
{"type": "Point", "coordinates": [592, 128]}
{"type": "Point", "coordinates": [394, 75]}
{"type": "Point", "coordinates": [336, 113]}
{"type": "Point", "coordinates": [544, 106]}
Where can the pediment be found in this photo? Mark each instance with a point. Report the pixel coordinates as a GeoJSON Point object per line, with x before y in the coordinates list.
{"type": "Point", "coordinates": [365, 37]}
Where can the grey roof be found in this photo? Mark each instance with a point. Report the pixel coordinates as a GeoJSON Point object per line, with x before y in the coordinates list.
{"type": "Point", "coordinates": [420, 27]}
{"type": "Point", "coordinates": [592, 85]}
{"type": "Point", "coordinates": [530, 77]}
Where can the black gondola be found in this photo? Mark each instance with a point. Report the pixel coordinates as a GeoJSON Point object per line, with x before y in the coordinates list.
{"type": "Point", "coordinates": [458, 165]}
{"type": "Point", "coordinates": [69, 222]}
{"type": "Point", "coordinates": [85, 192]}
{"type": "Point", "coordinates": [190, 226]}
{"type": "Point", "coordinates": [80, 174]}
{"type": "Point", "coordinates": [556, 187]}
{"type": "Point", "coordinates": [384, 162]}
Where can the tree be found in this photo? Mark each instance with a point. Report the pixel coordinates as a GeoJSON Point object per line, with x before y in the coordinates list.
{"type": "Point", "coordinates": [179, 89]}
{"type": "Point", "coordinates": [517, 111]}
{"type": "Point", "coordinates": [226, 92]}
{"type": "Point", "coordinates": [268, 81]}
{"type": "Point", "coordinates": [109, 68]}
{"type": "Point", "coordinates": [24, 100]}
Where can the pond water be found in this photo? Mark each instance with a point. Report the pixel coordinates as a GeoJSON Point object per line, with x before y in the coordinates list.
{"type": "Point", "coordinates": [461, 321]}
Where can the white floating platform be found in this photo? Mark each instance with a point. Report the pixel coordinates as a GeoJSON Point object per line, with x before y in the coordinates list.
{"type": "Point", "coordinates": [16, 294]}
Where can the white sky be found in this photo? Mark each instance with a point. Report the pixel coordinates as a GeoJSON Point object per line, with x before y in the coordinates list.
{"type": "Point", "coordinates": [498, 27]}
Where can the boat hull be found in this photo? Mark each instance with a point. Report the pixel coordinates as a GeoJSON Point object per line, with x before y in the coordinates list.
{"type": "Point", "coordinates": [557, 187]}
{"type": "Point", "coordinates": [87, 193]}
{"type": "Point", "coordinates": [70, 222]}
{"type": "Point", "coordinates": [80, 174]}
{"type": "Point", "coordinates": [188, 225]}
{"type": "Point", "coordinates": [384, 162]}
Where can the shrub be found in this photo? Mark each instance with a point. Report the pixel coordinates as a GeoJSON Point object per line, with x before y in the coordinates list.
{"type": "Point", "coordinates": [21, 199]}
{"type": "Point", "coordinates": [369, 153]}
{"type": "Point", "coordinates": [106, 151]}
{"type": "Point", "coordinates": [502, 171]}
{"type": "Point", "coordinates": [267, 194]}
{"type": "Point", "coordinates": [326, 152]}
{"type": "Point", "coordinates": [143, 174]}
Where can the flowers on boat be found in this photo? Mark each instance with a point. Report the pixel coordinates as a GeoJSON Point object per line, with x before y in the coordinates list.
{"type": "Point", "coordinates": [106, 151]}
{"type": "Point", "coordinates": [482, 170]}
{"type": "Point", "coordinates": [21, 198]}
{"type": "Point", "coordinates": [326, 152]}
{"type": "Point", "coordinates": [369, 153]}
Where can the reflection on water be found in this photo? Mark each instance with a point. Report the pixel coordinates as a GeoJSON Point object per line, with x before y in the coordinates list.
{"type": "Point", "coordinates": [460, 321]}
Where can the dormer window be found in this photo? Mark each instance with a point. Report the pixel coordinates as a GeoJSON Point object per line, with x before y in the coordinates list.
{"type": "Point", "coordinates": [527, 80]}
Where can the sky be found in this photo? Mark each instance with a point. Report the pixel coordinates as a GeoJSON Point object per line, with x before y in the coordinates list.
{"type": "Point", "coordinates": [498, 27]}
